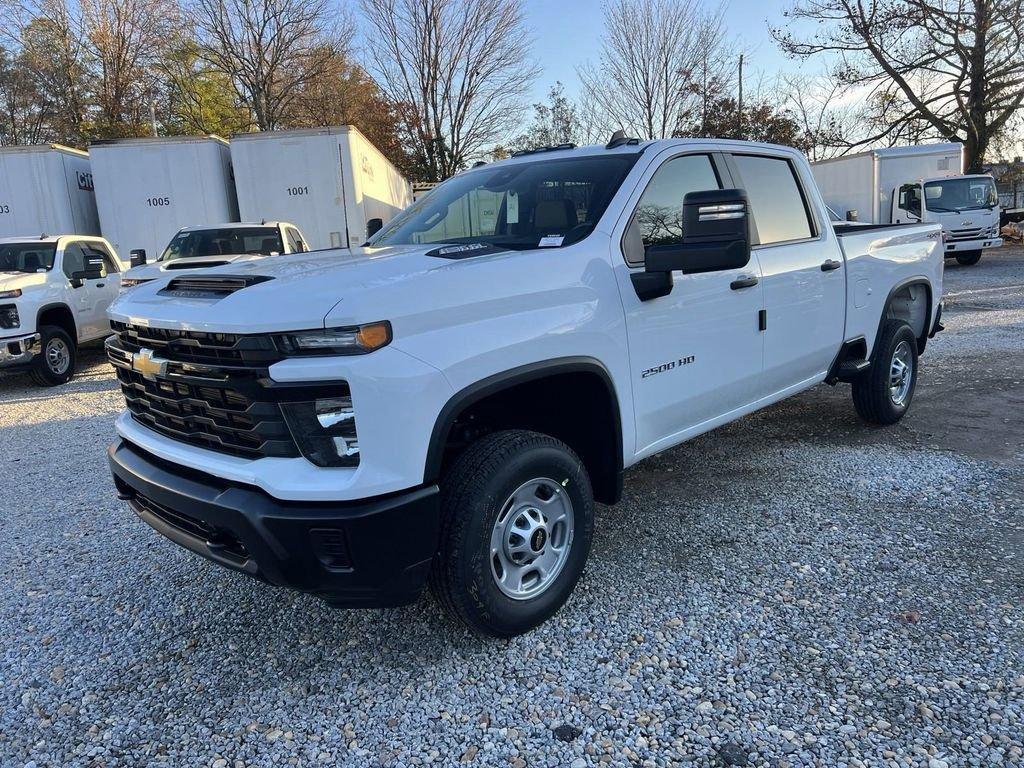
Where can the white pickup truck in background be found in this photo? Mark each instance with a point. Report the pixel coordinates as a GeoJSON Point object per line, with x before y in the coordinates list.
{"type": "Point", "coordinates": [448, 404]}
{"type": "Point", "coordinates": [203, 247]}
{"type": "Point", "coordinates": [54, 295]}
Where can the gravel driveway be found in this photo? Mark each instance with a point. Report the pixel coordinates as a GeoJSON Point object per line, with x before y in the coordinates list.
{"type": "Point", "coordinates": [792, 589]}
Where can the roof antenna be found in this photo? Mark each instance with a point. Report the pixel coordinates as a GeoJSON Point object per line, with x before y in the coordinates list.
{"type": "Point", "coordinates": [619, 139]}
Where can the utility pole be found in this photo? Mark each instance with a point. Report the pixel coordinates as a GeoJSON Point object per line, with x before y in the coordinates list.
{"type": "Point", "coordinates": [152, 114]}
{"type": "Point", "coordinates": [739, 111]}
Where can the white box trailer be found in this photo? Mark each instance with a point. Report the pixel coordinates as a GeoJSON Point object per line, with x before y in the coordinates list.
{"type": "Point", "coordinates": [864, 182]}
{"type": "Point", "coordinates": [148, 189]}
{"type": "Point", "coordinates": [46, 189]}
{"type": "Point", "coordinates": [914, 184]}
{"type": "Point", "coordinates": [330, 182]}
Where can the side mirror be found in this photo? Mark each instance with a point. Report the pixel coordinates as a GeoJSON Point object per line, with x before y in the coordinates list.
{"type": "Point", "coordinates": [852, 215]}
{"type": "Point", "coordinates": [373, 226]}
{"type": "Point", "coordinates": [93, 270]}
{"type": "Point", "coordinates": [137, 257]}
{"type": "Point", "coordinates": [715, 238]}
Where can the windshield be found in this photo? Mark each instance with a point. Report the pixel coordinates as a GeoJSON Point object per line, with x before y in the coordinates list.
{"type": "Point", "coordinates": [543, 203]}
{"type": "Point", "coordinates": [962, 194]}
{"type": "Point", "coordinates": [229, 241]}
{"type": "Point", "coordinates": [27, 257]}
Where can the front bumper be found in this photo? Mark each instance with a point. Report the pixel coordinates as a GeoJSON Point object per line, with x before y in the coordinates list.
{"type": "Point", "coordinates": [18, 351]}
{"type": "Point", "coordinates": [953, 247]}
{"type": "Point", "coordinates": [371, 553]}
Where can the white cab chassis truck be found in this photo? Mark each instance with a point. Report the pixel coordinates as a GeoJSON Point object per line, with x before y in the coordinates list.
{"type": "Point", "coordinates": [148, 189]}
{"type": "Point", "coordinates": [448, 409]}
{"type": "Point", "coordinates": [46, 189]}
{"type": "Point", "coordinates": [54, 296]}
{"type": "Point", "coordinates": [883, 186]}
{"type": "Point", "coordinates": [332, 182]}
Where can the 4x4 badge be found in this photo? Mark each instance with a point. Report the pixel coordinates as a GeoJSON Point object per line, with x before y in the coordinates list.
{"type": "Point", "coordinates": [148, 364]}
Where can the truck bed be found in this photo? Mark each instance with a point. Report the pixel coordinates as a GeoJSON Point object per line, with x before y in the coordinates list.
{"type": "Point", "coordinates": [884, 259]}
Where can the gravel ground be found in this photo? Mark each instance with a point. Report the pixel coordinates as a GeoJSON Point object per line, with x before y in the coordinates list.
{"type": "Point", "coordinates": [793, 589]}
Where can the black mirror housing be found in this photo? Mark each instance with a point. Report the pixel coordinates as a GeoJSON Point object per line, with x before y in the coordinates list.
{"type": "Point", "coordinates": [137, 257]}
{"type": "Point", "coordinates": [715, 235]}
{"type": "Point", "coordinates": [373, 226]}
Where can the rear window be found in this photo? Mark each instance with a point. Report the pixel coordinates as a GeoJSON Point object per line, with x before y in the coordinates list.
{"type": "Point", "coordinates": [776, 201]}
{"type": "Point", "coordinates": [230, 241]}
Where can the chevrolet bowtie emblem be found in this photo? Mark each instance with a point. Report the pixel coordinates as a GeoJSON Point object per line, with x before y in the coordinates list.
{"type": "Point", "coordinates": [148, 364]}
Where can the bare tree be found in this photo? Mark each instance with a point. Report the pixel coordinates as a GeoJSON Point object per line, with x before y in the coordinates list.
{"type": "Point", "coordinates": [658, 57]}
{"type": "Point", "coordinates": [127, 40]}
{"type": "Point", "coordinates": [956, 66]}
{"type": "Point", "coordinates": [271, 49]}
{"type": "Point", "coordinates": [459, 69]}
{"type": "Point", "coordinates": [822, 108]}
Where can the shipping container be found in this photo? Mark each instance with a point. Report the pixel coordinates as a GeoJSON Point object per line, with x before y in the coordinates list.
{"type": "Point", "coordinates": [46, 189]}
{"type": "Point", "coordinates": [148, 189]}
{"type": "Point", "coordinates": [330, 182]}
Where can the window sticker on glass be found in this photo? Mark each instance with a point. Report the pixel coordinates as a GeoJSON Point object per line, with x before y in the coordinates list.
{"type": "Point", "coordinates": [512, 208]}
{"type": "Point", "coordinates": [551, 241]}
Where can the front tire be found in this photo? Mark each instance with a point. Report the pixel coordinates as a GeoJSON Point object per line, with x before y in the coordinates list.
{"type": "Point", "coordinates": [969, 258]}
{"type": "Point", "coordinates": [517, 520]}
{"type": "Point", "coordinates": [55, 363]}
{"type": "Point", "coordinates": [882, 394]}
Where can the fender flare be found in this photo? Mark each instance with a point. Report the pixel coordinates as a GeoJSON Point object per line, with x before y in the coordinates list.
{"type": "Point", "coordinates": [928, 308]}
{"type": "Point", "coordinates": [58, 305]}
{"type": "Point", "coordinates": [503, 380]}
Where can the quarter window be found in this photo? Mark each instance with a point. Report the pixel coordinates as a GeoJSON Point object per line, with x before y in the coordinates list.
{"type": "Point", "coordinates": [776, 201]}
{"type": "Point", "coordinates": [658, 219]}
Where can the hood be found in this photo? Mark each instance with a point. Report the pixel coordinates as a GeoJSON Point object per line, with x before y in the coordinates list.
{"type": "Point", "coordinates": [177, 266]}
{"type": "Point", "coordinates": [292, 292]}
{"type": "Point", "coordinates": [10, 281]}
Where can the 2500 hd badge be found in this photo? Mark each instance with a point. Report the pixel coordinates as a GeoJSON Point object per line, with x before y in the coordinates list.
{"type": "Point", "coordinates": [667, 366]}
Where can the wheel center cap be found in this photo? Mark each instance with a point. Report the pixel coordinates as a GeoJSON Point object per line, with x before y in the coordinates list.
{"type": "Point", "coordinates": [538, 540]}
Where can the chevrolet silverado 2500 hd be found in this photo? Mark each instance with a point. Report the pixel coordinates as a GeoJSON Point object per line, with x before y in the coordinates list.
{"type": "Point", "coordinates": [54, 295]}
{"type": "Point", "coordinates": [447, 405]}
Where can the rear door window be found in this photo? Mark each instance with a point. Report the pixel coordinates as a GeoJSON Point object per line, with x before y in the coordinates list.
{"type": "Point", "coordinates": [776, 200]}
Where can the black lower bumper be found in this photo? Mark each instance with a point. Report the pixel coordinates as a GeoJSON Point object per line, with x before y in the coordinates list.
{"type": "Point", "coordinates": [371, 553]}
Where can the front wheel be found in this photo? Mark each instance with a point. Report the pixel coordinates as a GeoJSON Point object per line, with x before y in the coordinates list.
{"type": "Point", "coordinates": [55, 363]}
{"type": "Point", "coordinates": [882, 394]}
{"type": "Point", "coordinates": [969, 258]}
{"type": "Point", "coordinates": [517, 521]}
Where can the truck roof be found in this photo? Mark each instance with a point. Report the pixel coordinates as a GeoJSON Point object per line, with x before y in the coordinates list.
{"type": "Point", "coordinates": [50, 238]}
{"type": "Point", "coordinates": [941, 148]}
{"type": "Point", "coordinates": [236, 225]}
{"type": "Point", "coordinates": [327, 130]}
{"type": "Point", "coordinates": [44, 148]}
{"type": "Point", "coordinates": [153, 140]}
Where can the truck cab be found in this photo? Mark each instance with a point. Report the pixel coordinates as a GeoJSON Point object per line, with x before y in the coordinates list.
{"type": "Point", "coordinates": [204, 247]}
{"type": "Point", "coordinates": [54, 296]}
{"type": "Point", "coordinates": [967, 208]}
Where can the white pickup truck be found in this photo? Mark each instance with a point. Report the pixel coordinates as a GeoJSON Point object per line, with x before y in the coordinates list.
{"type": "Point", "coordinates": [447, 405]}
{"type": "Point", "coordinates": [202, 247]}
{"type": "Point", "coordinates": [54, 295]}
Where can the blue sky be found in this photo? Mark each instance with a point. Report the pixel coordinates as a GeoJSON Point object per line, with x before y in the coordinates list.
{"type": "Point", "coordinates": [568, 32]}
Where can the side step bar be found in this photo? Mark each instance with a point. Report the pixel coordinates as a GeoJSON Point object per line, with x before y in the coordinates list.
{"type": "Point", "coordinates": [850, 362]}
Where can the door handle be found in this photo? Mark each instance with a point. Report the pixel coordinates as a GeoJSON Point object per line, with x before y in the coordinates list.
{"type": "Point", "coordinates": [831, 264]}
{"type": "Point", "coordinates": [100, 285]}
{"type": "Point", "coordinates": [743, 282]}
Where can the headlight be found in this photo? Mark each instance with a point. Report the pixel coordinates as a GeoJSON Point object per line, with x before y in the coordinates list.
{"type": "Point", "coordinates": [10, 294]}
{"type": "Point", "coordinates": [355, 340]}
{"type": "Point", "coordinates": [9, 316]}
{"type": "Point", "coordinates": [325, 430]}
{"type": "Point", "coordinates": [131, 282]}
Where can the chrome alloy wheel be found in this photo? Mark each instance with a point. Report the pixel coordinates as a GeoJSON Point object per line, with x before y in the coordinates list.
{"type": "Point", "coordinates": [531, 539]}
{"type": "Point", "coordinates": [901, 373]}
{"type": "Point", "coordinates": [58, 356]}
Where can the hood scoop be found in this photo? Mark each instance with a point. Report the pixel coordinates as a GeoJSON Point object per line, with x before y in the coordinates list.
{"type": "Point", "coordinates": [195, 264]}
{"type": "Point", "coordinates": [213, 287]}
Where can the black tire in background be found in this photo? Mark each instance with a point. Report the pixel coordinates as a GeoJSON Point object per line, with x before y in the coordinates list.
{"type": "Point", "coordinates": [477, 494]}
{"type": "Point", "coordinates": [968, 258]}
{"type": "Point", "coordinates": [55, 363]}
{"type": "Point", "coordinates": [873, 390]}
